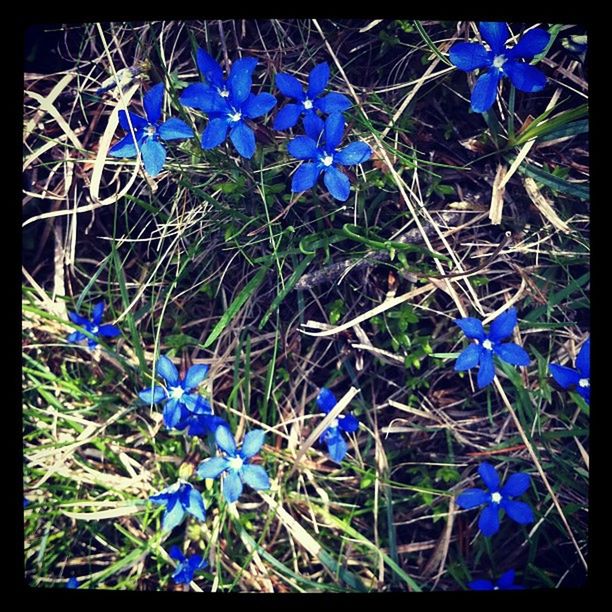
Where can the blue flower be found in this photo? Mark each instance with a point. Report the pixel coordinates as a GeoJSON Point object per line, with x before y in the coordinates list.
{"type": "Point", "coordinates": [148, 132]}
{"type": "Point", "coordinates": [332, 436]}
{"type": "Point", "coordinates": [481, 352]}
{"type": "Point", "coordinates": [93, 327]}
{"type": "Point", "coordinates": [180, 499]}
{"type": "Point", "coordinates": [228, 103]}
{"type": "Point", "coordinates": [323, 156]}
{"type": "Point", "coordinates": [176, 393]}
{"type": "Point", "coordinates": [235, 463]}
{"type": "Point", "coordinates": [72, 583]}
{"type": "Point", "coordinates": [187, 566]}
{"type": "Point", "coordinates": [500, 61]}
{"type": "Point", "coordinates": [504, 583]}
{"type": "Point", "coordinates": [309, 101]}
{"type": "Point", "coordinates": [579, 378]}
{"type": "Point", "coordinates": [497, 499]}
{"type": "Point", "coordinates": [201, 421]}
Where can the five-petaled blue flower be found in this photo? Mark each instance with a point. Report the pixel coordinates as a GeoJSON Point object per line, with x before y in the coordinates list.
{"type": "Point", "coordinates": [187, 566]}
{"type": "Point", "coordinates": [148, 132]}
{"type": "Point", "coordinates": [228, 103]}
{"type": "Point", "coordinates": [323, 156]}
{"type": "Point", "coordinates": [309, 101]}
{"type": "Point", "coordinates": [580, 378]}
{"type": "Point", "coordinates": [500, 61]}
{"type": "Point", "coordinates": [72, 583]}
{"type": "Point", "coordinates": [180, 499]}
{"type": "Point", "coordinates": [235, 463]}
{"type": "Point", "coordinates": [332, 436]}
{"type": "Point", "coordinates": [497, 499]}
{"type": "Point", "coordinates": [486, 345]}
{"type": "Point", "coordinates": [93, 326]}
{"type": "Point", "coordinates": [176, 393]}
{"type": "Point", "coordinates": [504, 583]}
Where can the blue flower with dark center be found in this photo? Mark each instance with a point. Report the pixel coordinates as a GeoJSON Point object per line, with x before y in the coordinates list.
{"type": "Point", "coordinates": [481, 352]}
{"type": "Point", "coordinates": [332, 436]}
{"type": "Point", "coordinates": [180, 499]}
{"type": "Point", "coordinates": [504, 583]}
{"type": "Point", "coordinates": [497, 499]}
{"type": "Point", "coordinates": [148, 132]}
{"type": "Point", "coordinates": [186, 566]}
{"type": "Point", "coordinates": [320, 147]}
{"type": "Point", "coordinates": [500, 61]}
{"type": "Point", "coordinates": [176, 394]}
{"type": "Point", "coordinates": [94, 327]}
{"type": "Point", "coordinates": [228, 103]}
{"type": "Point", "coordinates": [309, 101]}
{"type": "Point", "coordinates": [235, 463]}
{"type": "Point", "coordinates": [72, 583]}
{"type": "Point", "coordinates": [580, 378]}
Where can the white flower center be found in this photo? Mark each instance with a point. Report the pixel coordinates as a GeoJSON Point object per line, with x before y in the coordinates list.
{"type": "Point", "coordinates": [499, 61]}
{"type": "Point", "coordinates": [224, 93]}
{"type": "Point", "coordinates": [496, 588]}
{"type": "Point", "coordinates": [235, 463]}
{"type": "Point", "coordinates": [176, 392]}
{"type": "Point", "coordinates": [334, 423]}
{"type": "Point", "coordinates": [95, 329]}
{"type": "Point", "coordinates": [496, 497]}
{"type": "Point", "coordinates": [327, 160]}
{"type": "Point", "coordinates": [584, 383]}
{"type": "Point", "coordinates": [487, 344]}
{"type": "Point", "coordinates": [237, 116]}
{"type": "Point", "coordinates": [307, 104]}
{"type": "Point", "coordinates": [150, 130]}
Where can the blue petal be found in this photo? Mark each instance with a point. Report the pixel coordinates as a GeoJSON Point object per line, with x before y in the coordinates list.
{"type": "Point", "coordinates": [172, 413]}
{"type": "Point", "coordinates": [305, 177]}
{"type": "Point", "coordinates": [485, 90]}
{"type": "Point", "coordinates": [225, 440]}
{"type": "Point", "coordinates": [255, 476]}
{"type": "Point", "coordinates": [173, 516]}
{"type": "Point", "coordinates": [76, 337]}
{"type": "Point", "coordinates": [337, 183]}
{"type": "Point", "coordinates": [215, 133]}
{"type": "Point", "coordinates": [124, 148]}
{"type": "Point", "coordinates": [197, 562]}
{"type": "Point", "coordinates": [585, 392]}
{"type": "Point", "coordinates": [195, 505]}
{"type": "Point", "coordinates": [212, 422]}
{"type": "Point", "coordinates": [516, 485]}
{"type": "Point", "coordinates": [471, 327]}
{"type": "Point", "coordinates": [137, 121]}
{"type": "Point", "coordinates": [287, 117]}
{"type": "Point", "coordinates": [496, 33]}
{"type": "Point", "coordinates": [355, 153]}
{"type": "Point", "coordinates": [195, 375]}
{"type": "Point", "coordinates": [566, 377]}
{"type": "Point", "coordinates": [152, 395]}
{"type": "Point", "coordinates": [518, 511]}
{"type": "Point", "coordinates": [313, 126]}
{"type": "Point", "coordinates": [317, 79]}
{"type": "Point", "coordinates": [203, 98]}
{"type": "Point", "coordinates": [489, 476]}
{"type": "Point", "coordinates": [211, 468]}
{"type": "Point", "coordinates": [241, 79]}
{"type": "Point", "coordinates": [468, 358]}
{"type": "Point", "coordinates": [334, 130]}
{"type": "Point", "coordinates": [183, 574]}
{"type": "Point", "coordinates": [333, 103]}
{"type": "Point", "coordinates": [97, 313]}
{"type": "Point", "coordinates": [348, 423]}
{"type": "Point", "coordinates": [110, 331]}
{"type": "Point", "coordinates": [175, 553]}
{"type": "Point", "coordinates": [470, 498]}
{"type": "Point", "coordinates": [531, 44]}
{"type": "Point", "coordinates": [197, 404]}
{"type": "Point", "coordinates": [152, 103]}
{"type": "Point", "coordinates": [78, 319]}
{"type": "Point", "coordinates": [486, 372]}
{"type": "Point", "coordinates": [337, 448]}
{"type": "Point", "coordinates": [488, 523]}
{"type": "Point", "coordinates": [209, 68]}
{"type": "Point", "coordinates": [525, 77]}
{"type": "Point", "coordinates": [174, 129]}
{"type": "Point", "coordinates": [506, 580]}
{"type": "Point", "coordinates": [512, 353]}
{"type": "Point", "coordinates": [72, 583]}
{"type": "Point", "coordinates": [244, 139]}
{"type": "Point", "coordinates": [244, 64]}
{"type": "Point", "coordinates": [258, 105]}
{"type": "Point", "coordinates": [153, 156]}
{"type": "Point", "coordinates": [469, 56]}
{"type": "Point", "coordinates": [481, 585]}
{"type": "Point", "coordinates": [252, 442]}
{"type": "Point", "coordinates": [583, 361]}
{"type": "Point", "coordinates": [232, 485]}
{"type": "Point", "coordinates": [167, 370]}
{"type": "Point", "coordinates": [326, 400]}
{"type": "Point", "coordinates": [303, 147]}
{"type": "Point", "coordinates": [289, 86]}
